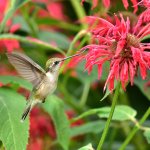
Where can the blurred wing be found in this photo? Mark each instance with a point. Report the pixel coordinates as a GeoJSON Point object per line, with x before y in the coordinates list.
{"type": "Point", "coordinates": [26, 67]}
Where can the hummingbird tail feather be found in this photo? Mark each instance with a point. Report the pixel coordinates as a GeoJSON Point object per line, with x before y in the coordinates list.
{"type": "Point", "coordinates": [25, 113]}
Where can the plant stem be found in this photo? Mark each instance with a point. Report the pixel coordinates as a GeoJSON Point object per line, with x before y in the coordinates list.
{"type": "Point", "coordinates": [31, 41]}
{"type": "Point", "coordinates": [135, 129]}
{"type": "Point", "coordinates": [85, 93]}
{"type": "Point", "coordinates": [85, 114]}
{"type": "Point", "coordinates": [57, 23]}
{"type": "Point", "coordinates": [112, 138]}
{"type": "Point", "coordinates": [79, 11]}
{"type": "Point", "coordinates": [68, 99]}
{"type": "Point", "coordinates": [114, 101]}
{"type": "Point", "coordinates": [76, 38]}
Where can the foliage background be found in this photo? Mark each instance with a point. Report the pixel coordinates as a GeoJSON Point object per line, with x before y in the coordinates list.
{"type": "Point", "coordinates": [74, 116]}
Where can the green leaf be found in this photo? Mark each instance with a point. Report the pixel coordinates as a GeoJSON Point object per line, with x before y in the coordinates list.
{"type": "Point", "coordinates": [93, 76]}
{"type": "Point", "coordinates": [16, 80]}
{"type": "Point", "coordinates": [108, 92]}
{"type": "Point", "coordinates": [141, 84]}
{"type": "Point", "coordinates": [13, 133]}
{"type": "Point", "coordinates": [92, 127]}
{"type": "Point", "coordinates": [23, 24]}
{"type": "Point", "coordinates": [57, 38]}
{"type": "Point", "coordinates": [121, 113]}
{"type": "Point", "coordinates": [84, 76]}
{"type": "Point", "coordinates": [146, 38]}
{"type": "Point", "coordinates": [14, 5]}
{"type": "Point", "coordinates": [54, 106]}
{"type": "Point", "coordinates": [87, 147]}
{"type": "Point", "coordinates": [147, 135]}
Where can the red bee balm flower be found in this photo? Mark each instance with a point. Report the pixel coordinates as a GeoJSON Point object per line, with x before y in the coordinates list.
{"type": "Point", "coordinates": [120, 44]}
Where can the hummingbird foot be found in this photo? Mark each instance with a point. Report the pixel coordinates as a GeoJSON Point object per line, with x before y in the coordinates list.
{"type": "Point", "coordinates": [43, 101]}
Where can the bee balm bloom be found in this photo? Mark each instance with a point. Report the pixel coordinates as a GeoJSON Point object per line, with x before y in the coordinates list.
{"type": "Point", "coordinates": [120, 44]}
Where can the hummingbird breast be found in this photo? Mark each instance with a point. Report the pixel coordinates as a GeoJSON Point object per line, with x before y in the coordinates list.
{"type": "Point", "coordinates": [47, 86]}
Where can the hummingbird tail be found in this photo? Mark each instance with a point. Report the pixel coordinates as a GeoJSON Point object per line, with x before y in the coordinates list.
{"type": "Point", "coordinates": [25, 113]}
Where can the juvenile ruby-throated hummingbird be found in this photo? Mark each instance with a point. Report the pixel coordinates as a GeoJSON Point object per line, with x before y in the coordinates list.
{"type": "Point", "coordinates": [44, 81]}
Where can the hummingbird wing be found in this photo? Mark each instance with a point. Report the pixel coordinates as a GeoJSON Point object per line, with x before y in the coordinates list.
{"type": "Point", "coordinates": [26, 67]}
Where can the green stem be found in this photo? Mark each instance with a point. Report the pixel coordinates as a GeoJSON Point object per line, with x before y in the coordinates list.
{"type": "Point", "coordinates": [85, 93]}
{"type": "Point", "coordinates": [84, 40]}
{"type": "Point", "coordinates": [31, 41]}
{"type": "Point", "coordinates": [76, 38]}
{"type": "Point", "coordinates": [137, 140]}
{"type": "Point", "coordinates": [68, 99]}
{"type": "Point", "coordinates": [112, 138]}
{"type": "Point", "coordinates": [57, 23]}
{"type": "Point", "coordinates": [135, 129]}
{"type": "Point", "coordinates": [79, 11]}
{"type": "Point", "coordinates": [114, 101]}
{"type": "Point", "coordinates": [85, 114]}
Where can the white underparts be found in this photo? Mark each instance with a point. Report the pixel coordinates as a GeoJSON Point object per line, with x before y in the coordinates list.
{"type": "Point", "coordinates": [50, 76]}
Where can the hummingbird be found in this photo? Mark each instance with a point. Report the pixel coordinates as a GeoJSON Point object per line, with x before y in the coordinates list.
{"type": "Point", "coordinates": [44, 81]}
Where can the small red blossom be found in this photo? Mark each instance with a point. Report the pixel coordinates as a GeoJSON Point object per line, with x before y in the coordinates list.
{"type": "Point", "coordinates": [144, 17]}
{"type": "Point", "coordinates": [147, 85]}
{"type": "Point", "coordinates": [24, 92]}
{"type": "Point", "coordinates": [14, 28]}
{"type": "Point", "coordinates": [36, 144]}
{"type": "Point", "coordinates": [107, 4]}
{"type": "Point", "coordinates": [134, 2]}
{"type": "Point", "coordinates": [120, 44]}
{"type": "Point", "coordinates": [70, 115]}
{"type": "Point", "coordinates": [4, 70]}
{"type": "Point", "coordinates": [55, 9]}
{"type": "Point", "coordinates": [9, 44]}
{"type": "Point", "coordinates": [3, 8]}
{"type": "Point", "coordinates": [1, 84]}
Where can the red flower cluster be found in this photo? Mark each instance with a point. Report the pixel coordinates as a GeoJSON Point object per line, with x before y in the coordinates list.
{"type": "Point", "coordinates": [9, 44]}
{"type": "Point", "coordinates": [41, 126]}
{"type": "Point", "coordinates": [120, 44]}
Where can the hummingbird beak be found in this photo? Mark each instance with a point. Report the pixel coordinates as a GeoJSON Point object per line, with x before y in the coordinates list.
{"type": "Point", "coordinates": [73, 55]}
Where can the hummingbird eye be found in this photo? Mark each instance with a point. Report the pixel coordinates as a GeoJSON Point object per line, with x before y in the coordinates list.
{"type": "Point", "coordinates": [56, 62]}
